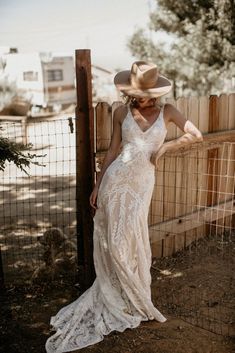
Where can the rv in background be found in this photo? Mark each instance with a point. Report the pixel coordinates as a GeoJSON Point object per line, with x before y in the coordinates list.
{"type": "Point", "coordinates": [46, 80]}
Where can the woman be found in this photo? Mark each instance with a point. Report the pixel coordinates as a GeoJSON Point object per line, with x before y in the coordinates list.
{"type": "Point", "coordinates": [120, 296]}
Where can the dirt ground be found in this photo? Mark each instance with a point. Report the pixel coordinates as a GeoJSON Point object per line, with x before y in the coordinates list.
{"type": "Point", "coordinates": [194, 289]}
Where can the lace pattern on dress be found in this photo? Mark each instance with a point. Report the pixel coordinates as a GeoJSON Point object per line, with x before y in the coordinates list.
{"type": "Point", "coordinates": [120, 296]}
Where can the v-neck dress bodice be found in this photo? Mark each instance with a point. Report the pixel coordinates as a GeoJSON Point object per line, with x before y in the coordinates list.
{"type": "Point", "coordinates": [137, 142]}
{"type": "Point", "coordinates": [120, 296]}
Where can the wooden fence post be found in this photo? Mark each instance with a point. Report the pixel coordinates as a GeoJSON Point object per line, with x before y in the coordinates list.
{"type": "Point", "coordinates": [1, 272]}
{"type": "Point", "coordinates": [84, 167]}
{"type": "Point", "coordinates": [212, 160]}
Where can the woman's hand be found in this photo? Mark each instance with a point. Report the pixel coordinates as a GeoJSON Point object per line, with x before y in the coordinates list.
{"type": "Point", "coordinates": [93, 198]}
{"type": "Point", "coordinates": [156, 155]}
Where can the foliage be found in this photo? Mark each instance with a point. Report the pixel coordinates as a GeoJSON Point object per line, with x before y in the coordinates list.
{"type": "Point", "coordinates": [8, 88]}
{"type": "Point", "coordinates": [201, 53]}
{"type": "Point", "coordinates": [7, 91]}
{"type": "Point", "coordinates": [13, 152]}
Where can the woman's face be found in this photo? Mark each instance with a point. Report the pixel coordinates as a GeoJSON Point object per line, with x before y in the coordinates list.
{"type": "Point", "coordinates": [146, 102]}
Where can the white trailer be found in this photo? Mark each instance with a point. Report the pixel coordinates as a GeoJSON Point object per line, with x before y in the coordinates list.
{"type": "Point", "coordinates": [45, 82]}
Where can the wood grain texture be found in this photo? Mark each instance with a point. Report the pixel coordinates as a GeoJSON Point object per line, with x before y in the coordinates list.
{"type": "Point", "coordinates": [103, 119]}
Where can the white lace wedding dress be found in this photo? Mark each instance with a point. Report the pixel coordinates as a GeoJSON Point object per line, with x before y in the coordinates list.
{"type": "Point", "coordinates": [120, 296]}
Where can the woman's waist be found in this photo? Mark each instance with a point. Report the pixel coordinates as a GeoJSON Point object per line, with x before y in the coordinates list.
{"type": "Point", "coordinates": [134, 149]}
{"type": "Point", "coordinates": [137, 155]}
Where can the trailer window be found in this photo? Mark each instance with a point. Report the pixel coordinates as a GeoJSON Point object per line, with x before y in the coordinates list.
{"type": "Point", "coordinates": [30, 76]}
{"type": "Point", "coordinates": [55, 75]}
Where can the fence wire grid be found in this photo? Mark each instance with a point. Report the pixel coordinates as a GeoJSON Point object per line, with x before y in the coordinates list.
{"type": "Point", "coordinates": [191, 222]}
{"type": "Point", "coordinates": [38, 212]}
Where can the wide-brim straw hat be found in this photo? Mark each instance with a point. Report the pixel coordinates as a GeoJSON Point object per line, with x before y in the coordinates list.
{"type": "Point", "coordinates": [143, 80]}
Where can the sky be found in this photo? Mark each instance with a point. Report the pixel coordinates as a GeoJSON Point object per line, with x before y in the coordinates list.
{"type": "Point", "coordinates": [62, 26]}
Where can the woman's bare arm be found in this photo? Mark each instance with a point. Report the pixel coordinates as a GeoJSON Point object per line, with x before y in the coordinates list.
{"type": "Point", "coordinates": [192, 134]}
{"type": "Point", "coordinates": [112, 152]}
{"type": "Point", "coordinates": [115, 143]}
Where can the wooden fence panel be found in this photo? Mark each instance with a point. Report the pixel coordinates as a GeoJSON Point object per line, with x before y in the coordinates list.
{"type": "Point", "coordinates": [181, 178]}
{"type": "Point", "coordinates": [226, 156]}
{"type": "Point", "coordinates": [212, 185]}
{"type": "Point", "coordinates": [230, 220]}
{"type": "Point", "coordinates": [222, 160]}
{"type": "Point", "coordinates": [185, 184]}
{"type": "Point", "coordinates": [156, 206]}
{"type": "Point", "coordinates": [103, 126]}
{"type": "Point", "coordinates": [169, 189]}
{"type": "Point", "coordinates": [229, 224]}
{"type": "Point", "coordinates": [203, 124]}
{"type": "Point", "coordinates": [162, 205]}
{"type": "Point", "coordinates": [192, 170]}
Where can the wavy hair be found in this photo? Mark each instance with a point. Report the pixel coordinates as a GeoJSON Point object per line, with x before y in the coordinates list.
{"type": "Point", "coordinates": [133, 102]}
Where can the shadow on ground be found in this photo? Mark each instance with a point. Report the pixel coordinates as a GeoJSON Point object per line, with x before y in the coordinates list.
{"type": "Point", "coordinates": [193, 289]}
{"type": "Point", "coordinates": [29, 208]}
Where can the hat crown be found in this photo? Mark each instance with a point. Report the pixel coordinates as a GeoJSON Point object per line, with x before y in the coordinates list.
{"type": "Point", "coordinates": [143, 75]}
{"type": "Point", "coordinates": [143, 80]}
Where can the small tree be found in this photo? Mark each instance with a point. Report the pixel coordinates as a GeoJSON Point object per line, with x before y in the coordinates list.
{"type": "Point", "coordinates": [202, 51]}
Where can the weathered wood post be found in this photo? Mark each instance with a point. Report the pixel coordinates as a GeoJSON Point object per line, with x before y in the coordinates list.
{"type": "Point", "coordinates": [84, 167]}
{"type": "Point", "coordinates": [1, 272]}
{"type": "Point", "coordinates": [212, 160]}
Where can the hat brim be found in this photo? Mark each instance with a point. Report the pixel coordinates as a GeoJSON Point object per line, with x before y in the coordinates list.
{"type": "Point", "coordinates": [122, 82]}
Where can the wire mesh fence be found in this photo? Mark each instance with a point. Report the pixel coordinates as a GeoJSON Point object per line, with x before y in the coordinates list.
{"type": "Point", "coordinates": [37, 212]}
{"type": "Point", "coordinates": [193, 197]}
{"type": "Point", "coordinates": [191, 217]}
{"type": "Point", "coordinates": [192, 224]}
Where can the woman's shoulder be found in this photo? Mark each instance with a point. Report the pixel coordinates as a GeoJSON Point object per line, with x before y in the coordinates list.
{"type": "Point", "coordinates": [169, 111]}
{"type": "Point", "coordinates": [120, 112]}
{"type": "Point", "coordinates": [169, 108]}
